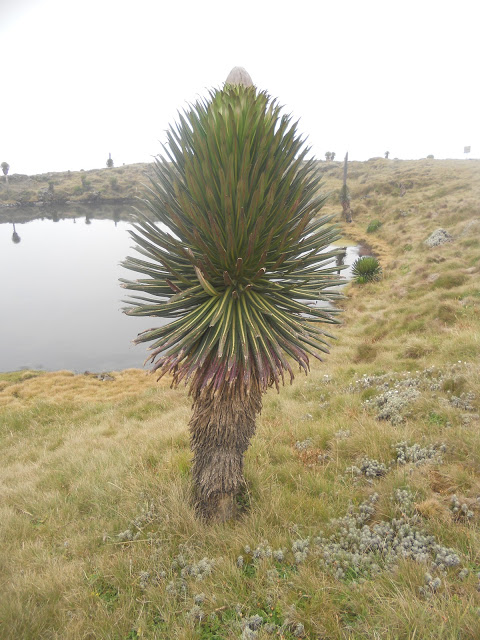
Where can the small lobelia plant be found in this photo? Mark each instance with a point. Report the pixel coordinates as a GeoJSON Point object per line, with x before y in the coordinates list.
{"type": "Point", "coordinates": [366, 269]}
{"type": "Point", "coordinates": [234, 255]}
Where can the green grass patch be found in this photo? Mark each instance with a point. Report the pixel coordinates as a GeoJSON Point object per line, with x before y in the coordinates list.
{"type": "Point", "coordinates": [450, 280]}
{"type": "Point", "coordinates": [437, 419]}
{"type": "Point", "coordinates": [373, 226]}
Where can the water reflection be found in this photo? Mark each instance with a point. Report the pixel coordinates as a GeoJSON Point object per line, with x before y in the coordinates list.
{"type": "Point", "coordinates": [61, 300]}
{"type": "Point", "coordinates": [15, 237]}
{"type": "Point", "coordinates": [115, 213]}
{"type": "Point", "coordinates": [341, 258]}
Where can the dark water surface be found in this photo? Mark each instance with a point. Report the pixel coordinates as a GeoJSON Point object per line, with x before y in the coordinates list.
{"type": "Point", "coordinates": [61, 301]}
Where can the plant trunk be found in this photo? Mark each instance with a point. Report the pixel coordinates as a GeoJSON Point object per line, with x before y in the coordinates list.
{"type": "Point", "coordinates": [347, 212]}
{"type": "Point", "coordinates": [221, 428]}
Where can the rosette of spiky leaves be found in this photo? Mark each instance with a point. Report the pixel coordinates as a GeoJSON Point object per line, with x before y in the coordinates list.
{"type": "Point", "coordinates": [366, 269]}
{"type": "Point", "coordinates": [232, 247]}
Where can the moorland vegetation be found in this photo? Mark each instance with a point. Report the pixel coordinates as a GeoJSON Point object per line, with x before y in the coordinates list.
{"type": "Point", "coordinates": [361, 518]}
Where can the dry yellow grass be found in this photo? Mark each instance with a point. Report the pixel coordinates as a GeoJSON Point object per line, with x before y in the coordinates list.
{"type": "Point", "coordinates": [65, 386]}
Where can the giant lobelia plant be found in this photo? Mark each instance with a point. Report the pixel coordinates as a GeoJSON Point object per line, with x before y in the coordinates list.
{"type": "Point", "coordinates": [235, 255]}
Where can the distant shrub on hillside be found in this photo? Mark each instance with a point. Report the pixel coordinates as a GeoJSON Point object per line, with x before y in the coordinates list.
{"type": "Point", "coordinates": [373, 226]}
{"type": "Point", "coordinates": [27, 195]}
{"type": "Point", "coordinates": [114, 183]}
{"type": "Point", "coordinates": [86, 184]}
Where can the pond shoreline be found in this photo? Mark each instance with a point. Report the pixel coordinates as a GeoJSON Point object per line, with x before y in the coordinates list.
{"type": "Point", "coordinates": [111, 210]}
{"type": "Point", "coordinates": [94, 201]}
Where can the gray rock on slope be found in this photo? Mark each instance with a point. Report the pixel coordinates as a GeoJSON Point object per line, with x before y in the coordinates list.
{"type": "Point", "coordinates": [438, 237]}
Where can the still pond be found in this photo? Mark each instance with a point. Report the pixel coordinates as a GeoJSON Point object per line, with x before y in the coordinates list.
{"type": "Point", "coordinates": [61, 305]}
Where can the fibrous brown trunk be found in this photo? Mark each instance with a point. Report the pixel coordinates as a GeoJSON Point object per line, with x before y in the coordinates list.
{"type": "Point", "coordinates": [347, 212]}
{"type": "Point", "coordinates": [221, 428]}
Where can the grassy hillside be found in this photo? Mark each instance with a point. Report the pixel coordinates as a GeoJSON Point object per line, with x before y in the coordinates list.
{"type": "Point", "coordinates": [115, 185]}
{"type": "Point", "coordinates": [362, 518]}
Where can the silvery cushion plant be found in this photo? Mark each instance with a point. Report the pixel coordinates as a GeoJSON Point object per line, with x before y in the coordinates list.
{"type": "Point", "coordinates": [234, 254]}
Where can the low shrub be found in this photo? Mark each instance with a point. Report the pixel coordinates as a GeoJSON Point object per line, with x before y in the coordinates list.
{"type": "Point", "coordinates": [373, 226]}
{"type": "Point", "coordinates": [114, 183]}
{"type": "Point", "coordinates": [27, 195]}
{"type": "Point", "coordinates": [86, 184]}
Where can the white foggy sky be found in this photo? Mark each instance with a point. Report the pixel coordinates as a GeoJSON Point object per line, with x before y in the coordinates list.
{"type": "Point", "coordinates": [82, 79]}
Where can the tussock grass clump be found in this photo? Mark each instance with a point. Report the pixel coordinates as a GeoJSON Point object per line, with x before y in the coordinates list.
{"type": "Point", "coordinates": [450, 280]}
{"type": "Point", "coordinates": [446, 314]}
{"type": "Point", "coordinates": [416, 350]}
{"type": "Point", "coordinates": [365, 353]}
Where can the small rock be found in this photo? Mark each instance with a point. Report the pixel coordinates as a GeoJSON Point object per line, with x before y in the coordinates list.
{"type": "Point", "coordinates": [438, 237]}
